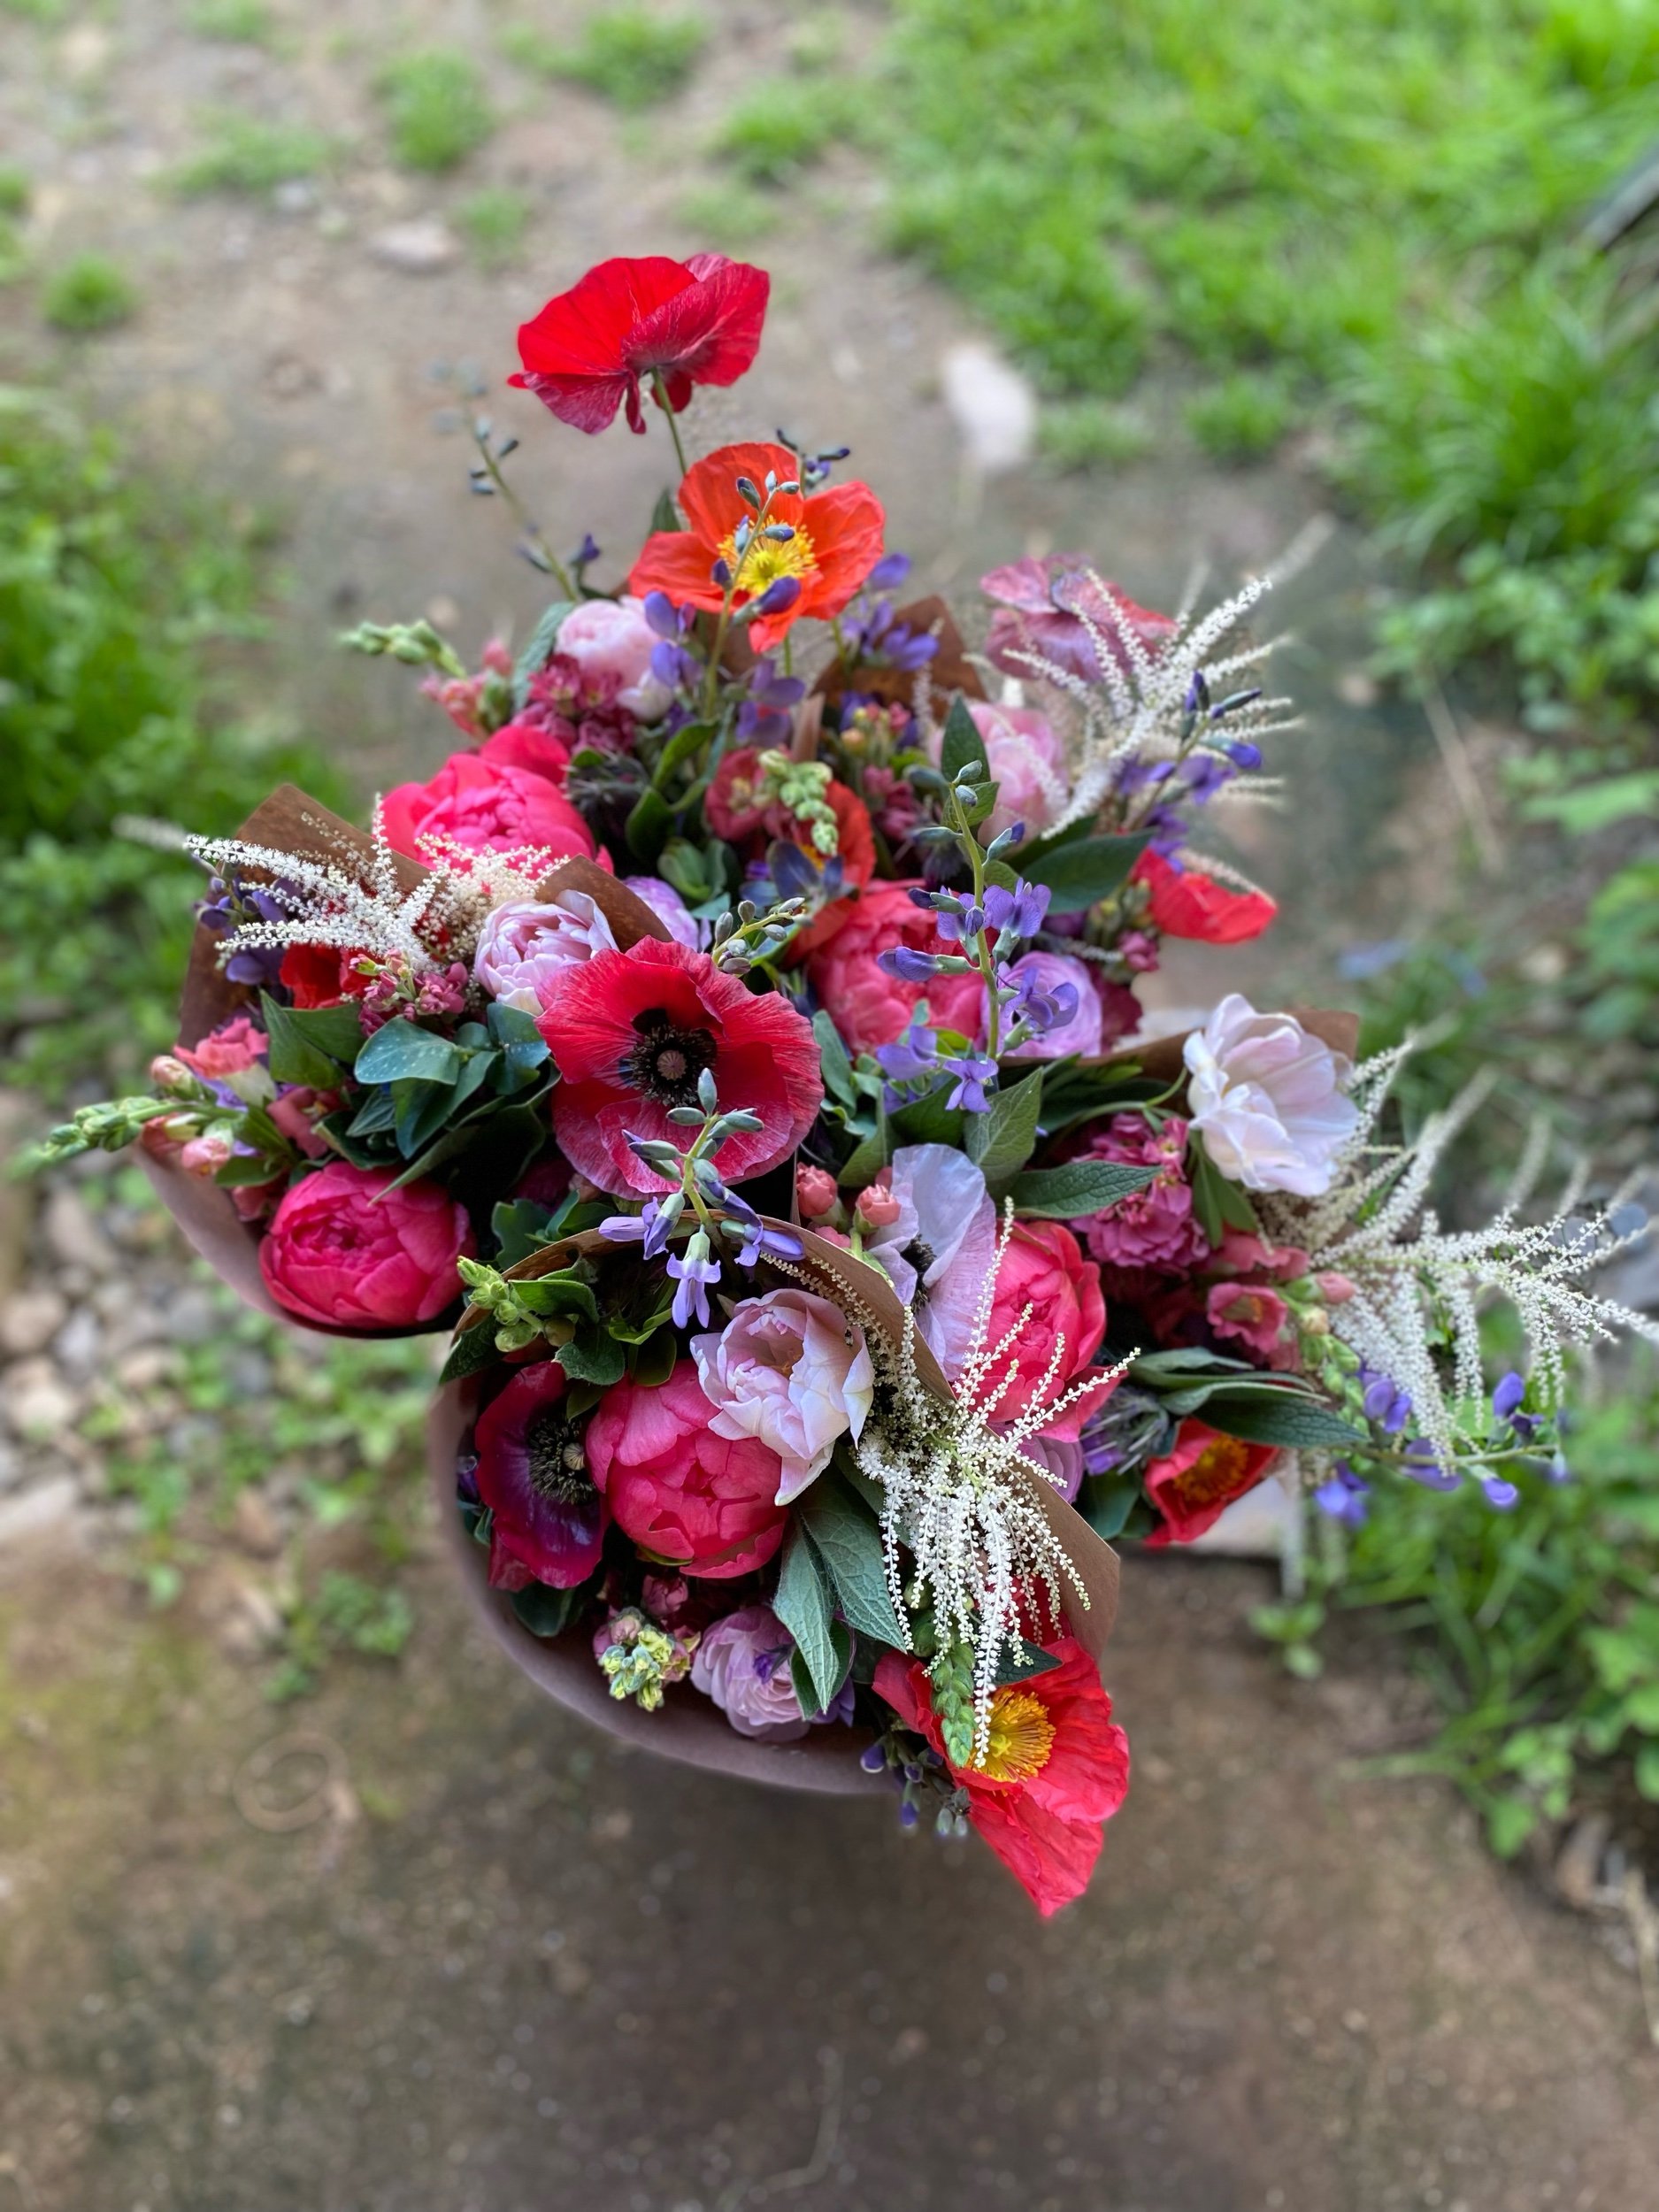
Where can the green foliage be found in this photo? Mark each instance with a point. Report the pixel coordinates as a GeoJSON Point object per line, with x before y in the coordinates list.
{"type": "Point", "coordinates": [786, 124]}
{"type": "Point", "coordinates": [1243, 416]}
{"type": "Point", "coordinates": [89, 293]}
{"type": "Point", "coordinates": [15, 190]}
{"type": "Point", "coordinates": [1536, 1630]}
{"type": "Point", "coordinates": [111, 704]}
{"type": "Point", "coordinates": [437, 109]}
{"type": "Point", "coordinates": [237, 22]}
{"type": "Point", "coordinates": [728, 215]}
{"type": "Point", "coordinates": [243, 153]}
{"type": "Point", "coordinates": [494, 222]}
{"type": "Point", "coordinates": [630, 56]}
{"type": "Point", "coordinates": [1074, 435]}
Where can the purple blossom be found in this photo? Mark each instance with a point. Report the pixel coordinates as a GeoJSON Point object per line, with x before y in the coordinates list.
{"type": "Point", "coordinates": [915, 1052]}
{"type": "Point", "coordinates": [648, 1228]}
{"type": "Point", "coordinates": [1422, 1465]}
{"type": "Point", "coordinates": [1041, 1009]}
{"type": "Point", "coordinates": [1507, 1397]}
{"type": "Point", "coordinates": [969, 1073]}
{"type": "Point", "coordinates": [1019, 911]}
{"type": "Point", "coordinates": [1345, 1498]}
{"type": "Point", "coordinates": [889, 571]}
{"type": "Point", "coordinates": [1501, 1496]}
{"type": "Point", "coordinates": [910, 965]}
{"type": "Point", "coordinates": [1384, 1401]}
{"type": "Point", "coordinates": [754, 1238]}
{"type": "Point", "coordinates": [693, 1272]}
{"type": "Point", "coordinates": [1204, 773]}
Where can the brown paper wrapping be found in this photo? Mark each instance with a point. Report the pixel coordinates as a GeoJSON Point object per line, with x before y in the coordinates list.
{"type": "Point", "coordinates": [950, 670]}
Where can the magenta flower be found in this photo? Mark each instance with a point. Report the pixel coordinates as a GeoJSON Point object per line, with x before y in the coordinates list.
{"type": "Point", "coordinates": [547, 1520]}
{"type": "Point", "coordinates": [1154, 1227]}
{"type": "Point", "coordinates": [1043, 604]}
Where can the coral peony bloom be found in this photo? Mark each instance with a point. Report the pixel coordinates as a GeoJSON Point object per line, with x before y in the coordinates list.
{"type": "Point", "coordinates": [1154, 1227]}
{"type": "Point", "coordinates": [742, 1663]}
{"type": "Point", "coordinates": [791, 1369]}
{"type": "Point", "coordinates": [628, 321]}
{"type": "Point", "coordinates": [487, 807]}
{"type": "Point", "coordinates": [1200, 1478]}
{"type": "Point", "coordinates": [836, 543]}
{"type": "Point", "coordinates": [547, 1520]}
{"type": "Point", "coordinates": [1268, 1099]}
{"type": "Point", "coordinates": [1057, 1771]}
{"type": "Point", "coordinates": [632, 1032]}
{"type": "Point", "coordinates": [1048, 1301]}
{"type": "Point", "coordinates": [1027, 764]}
{"type": "Point", "coordinates": [1046, 972]}
{"type": "Point", "coordinates": [345, 1249]}
{"type": "Point", "coordinates": [677, 1489]}
{"type": "Point", "coordinates": [1187, 904]}
{"type": "Point", "coordinates": [669, 908]}
{"type": "Point", "coordinates": [230, 1049]}
{"type": "Point", "coordinates": [612, 643]}
{"type": "Point", "coordinates": [524, 944]}
{"type": "Point", "coordinates": [940, 1245]}
{"type": "Point", "coordinates": [871, 1008]}
{"type": "Point", "coordinates": [1043, 604]}
{"type": "Point", "coordinates": [527, 746]}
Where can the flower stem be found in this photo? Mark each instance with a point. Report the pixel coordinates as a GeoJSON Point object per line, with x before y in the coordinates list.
{"type": "Point", "coordinates": [662, 401]}
{"type": "Point", "coordinates": [534, 539]}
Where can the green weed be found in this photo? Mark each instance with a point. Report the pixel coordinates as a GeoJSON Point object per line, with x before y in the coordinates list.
{"type": "Point", "coordinates": [786, 125]}
{"type": "Point", "coordinates": [245, 154]}
{"type": "Point", "coordinates": [88, 294]}
{"type": "Point", "coordinates": [494, 222]}
{"type": "Point", "coordinates": [237, 22]}
{"type": "Point", "coordinates": [630, 55]}
{"type": "Point", "coordinates": [437, 109]}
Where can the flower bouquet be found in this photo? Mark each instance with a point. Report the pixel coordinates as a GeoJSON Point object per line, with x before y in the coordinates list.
{"type": "Point", "coordinates": [743, 1021]}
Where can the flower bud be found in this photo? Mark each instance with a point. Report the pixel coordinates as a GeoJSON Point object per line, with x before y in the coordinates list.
{"type": "Point", "coordinates": [205, 1155]}
{"type": "Point", "coordinates": [879, 1207]}
{"type": "Point", "coordinates": [815, 1191]}
{"type": "Point", "coordinates": [168, 1073]}
{"type": "Point", "coordinates": [1336, 1290]}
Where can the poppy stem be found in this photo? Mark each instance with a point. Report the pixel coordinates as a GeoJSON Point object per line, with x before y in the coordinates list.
{"type": "Point", "coordinates": [536, 544]}
{"type": "Point", "coordinates": [666, 405]}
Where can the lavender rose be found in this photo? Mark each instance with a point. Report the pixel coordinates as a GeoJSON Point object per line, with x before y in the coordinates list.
{"type": "Point", "coordinates": [743, 1665]}
{"type": "Point", "coordinates": [524, 945]}
{"type": "Point", "coordinates": [792, 1371]}
{"type": "Point", "coordinates": [670, 908]}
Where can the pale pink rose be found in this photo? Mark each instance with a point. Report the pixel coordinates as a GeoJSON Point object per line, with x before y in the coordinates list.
{"type": "Point", "coordinates": [610, 637]}
{"type": "Point", "coordinates": [1028, 761]}
{"type": "Point", "coordinates": [792, 1371]}
{"type": "Point", "coordinates": [940, 1245]}
{"type": "Point", "coordinates": [742, 1663]}
{"type": "Point", "coordinates": [1268, 1099]}
{"type": "Point", "coordinates": [230, 1049]}
{"type": "Point", "coordinates": [670, 908]}
{"type": "Point", "coordinates": [525, 943]}
{"type": "Point", "coordinates": [1046, 971]}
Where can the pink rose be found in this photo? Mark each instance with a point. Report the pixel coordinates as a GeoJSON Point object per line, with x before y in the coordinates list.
{"type": "Point", "coordinates": [870, 1007]}
{"type": "Point", "coordinates": [486, 807]}
{"type": "Point", "coordinates": [232, 1048]}
{"type": "Point", "coordinates": [524, 944]}
{"type": "Point", "coordinates": [1028, 763]}
{"type": "Point", "coordinates": [612, 638]}
{"type": "Point", "coordinates": [792, 1370]}
{"type": "Point", "coordinates": [346, 1249]}
{"type": "Point", "coordinates": [1048, 1299]}
{"type": "Point", "coordinates": [1154, 1227]}
{"type": "Point", "coordinates": [742, 1663]}
{"type": "Point", "coordinates": [1047, 972]}
{"type": "Point", "coordinates": [1256, 1316]}
{"type": "Point", "coordinates": [677, 1489]}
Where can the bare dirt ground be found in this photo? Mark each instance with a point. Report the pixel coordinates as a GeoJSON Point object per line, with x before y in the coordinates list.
{"type": "Point", "coordinates": [503, 1967]}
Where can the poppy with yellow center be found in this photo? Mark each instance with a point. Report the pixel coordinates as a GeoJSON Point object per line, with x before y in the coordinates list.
{"type": "Point", "coordinates": [767, 560]}
{"type": "Point", "coordinates": [1021, 1737]}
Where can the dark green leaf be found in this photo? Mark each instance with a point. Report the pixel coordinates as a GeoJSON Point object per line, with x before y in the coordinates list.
{"type": "Point", "coordinates": [1033, 1659]}
{"type": "Point", "coordinates": [1291, 1419]}
{"type": "Point", "coordinates": [838, 1068]}
{"type": "Point", "coordinates": [473, 1349]}
{"type": "Point", "coordinates": [545, 1611]}
{"type": "Point", "coordinates": [870, 1156]}
{"type": "Point", "coordinates": [962, 743]}
{"type": "Point", "coordinates": [376, 1115]}
{"type": "Point", "coordinates": [1000, 1140]}
{"type": "Point", "coordinates": [1079, 875]}
{"type": "Point", "coordinates": [1078, 1188]}
{"type": "Point", "coordinates": [519, 1227]}
{"type": "Point", "coordinates": [1106, 1502]}
{"type": "Point", "coordinates": [664, 514]}
{"type": "Point", "coordinates": [564, 1292]}
{"type": "Point", "coordinates": [243, 1170]}
{"type": "Point", "coordinates": [422, 1111]}
{"type": "Point", "coordinates": [801, 1674]}
{"type": "Point", "coordinates": [849, 1544]}
{"type": "Point", "coordinates": [648, 826]}
{"type": "Point", "coordinates": [652, 1362]}
{"type": "Point", "coordinates": [401, 1052]}
{"type": "Point", "coordinates": [311, 1044]}
{"type": "Point", "coordinates": [804, 1604]}
{"type": "Point", "coordinates": [593, 1356]}
{"type": "Point", "coordinates": [523, 1046]}
{"type": "Point", "coordinates": [929, 1120]}
{"type": "Point", "coordinates": [1217, 1204]}
{"type": "Point", "coordinates": [685, 745]}
{"type": "Point", "coordinates": [538, 650]}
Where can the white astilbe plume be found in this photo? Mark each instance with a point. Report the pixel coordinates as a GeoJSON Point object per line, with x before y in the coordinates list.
{"type": "Point", "coordinates": [1419, 1289]}
{"type": "Point", "coordinates": [352, 907]}
{"type": "Point", "coordinates": [1133, 710]}
{"type": "Point", "coordinates": [961, 1496]}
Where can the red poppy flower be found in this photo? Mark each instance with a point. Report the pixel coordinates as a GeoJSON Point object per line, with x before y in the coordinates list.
{"type": "Point", "coordinates": [629, 321]}
{"type": "Point", "coordinates": [547, 1520]}
{"type": "Point", "coordinates": [837, 541]}
{"type": "Point", "coordinates": [631, 1032]}
{"type": "Point", "coordinates": [1187, 904]}
{"type": "Point", "coordinates": [1200, 1478]}
{"type": "Point", "coordinates": [321, 975]}
{"type": "Point", "coordinates": [1059, 1768]}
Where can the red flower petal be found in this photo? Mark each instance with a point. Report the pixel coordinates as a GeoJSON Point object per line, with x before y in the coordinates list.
{"type": "Point", "coordinates": [1187, 904]}
{"type": "Point", "coordinates": [1193, 1485]}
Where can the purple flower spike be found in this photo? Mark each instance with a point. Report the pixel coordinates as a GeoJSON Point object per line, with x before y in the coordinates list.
{"type": "Point", "coordinates": [908, 965]}
{"type": "Point", "coordinates": [693, 1273]}
{"type": "Point", "coordinates": [1345, 1498]}
{"type": "Point", "coordinates": [1020, 910]}
{"type": "Point", "coordinates": [891, 569]}
{"type": "Point", "coordinates": [970, 1073]}
{"type": "Point", "coordinates": [914, 1053]}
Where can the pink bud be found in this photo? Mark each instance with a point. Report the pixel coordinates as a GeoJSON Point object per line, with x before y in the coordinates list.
{"type": "Point", "coordinates": [498, 657]}
{"type": "Point", "coordinates": [205, 1153]}
{"type": "Point", "coordinates": [878, 1206]}
{"type": "Point", "coordinates": [167, 1073]}
{"type": "Point", "coordinates": [815, 1193]}
{"type": "Point", "coordinates": [1336, 1290]}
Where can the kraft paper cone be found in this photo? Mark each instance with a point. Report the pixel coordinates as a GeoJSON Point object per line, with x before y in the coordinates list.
{"type": "Point", "coordinates": [950, 670]}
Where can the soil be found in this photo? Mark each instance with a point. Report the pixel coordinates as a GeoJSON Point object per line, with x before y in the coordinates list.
{"type": "Point", "coordinates": [505, 1966]}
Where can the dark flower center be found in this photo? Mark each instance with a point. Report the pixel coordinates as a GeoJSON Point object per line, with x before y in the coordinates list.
{"type": "Point", "coordinates": [921, 1257]}
{"type": "Point", "coordinates": [558, 1460]}
{"type": "Point", "coordinates": [667, 1061]}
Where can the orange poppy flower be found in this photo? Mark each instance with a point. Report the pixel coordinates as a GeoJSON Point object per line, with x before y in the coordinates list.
{"type": "Point", "coordinates": [837, 541]}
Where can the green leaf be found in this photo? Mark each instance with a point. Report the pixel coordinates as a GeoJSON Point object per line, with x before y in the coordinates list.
{"type": "Point", "coordinates": [838, 1068]}
{"type": "Point", "coordinates": [473, 1349]}
{"type": "Point", "coordinates": [963, 745]}
{"type": "Point", "coordinates": [849, 1544]}
{"type": "Point", "coordinates": [648, 826]}
{"type": "Point", "coordinates": [422, 1111]}
{"type": "Point", "coordinates": [376, 1116]}
{"type": "Point", "coordinates": [524, 1048]}
{"type": "Point", "coordinates": [1077, 1188]}
{"type": "Point", "coordinates": [801, 1674]}
{"type": "Point", "coordinates": [1648, 1771]}
{"type": "Point", "coordinates": [1080, 875]}
{"type": "Point", "coordinates": [593, 1356]}
{"type": "Point", "coordinates": [519, 1227]}
{"type": "Point", "coordinates": [802, 1603]}
{"type": "Point", "coordinates": [1106, 1502]}
{"type": "Point", "coordinates": [564, 1293]}
{"type": "Point", "coordinates": [1510, 1821]}
{"type": "Point", "coordinates": [1218, 1204]}
{"type": "Point", "coordinates": [545, 1611]}
{"type": "Point", "coordinates": [1000, 1140]}
{"type": "Point", "coordinates": [1033, 1660]}
{"type": "Point", "coordinates": [929, 1120]}
{"type": "Point", "coordinates": [400, 1052]}
{"type": "Point", "coordinates": [244, 1171]}
{"type": "Point", "coordinates": [683, 745]}
{"type": "Point", "coordinates": [493, 1128]}
{"type": "Point", "coordinates": [868, 1157]}
{"type": "Point", "coordinates": [1297, 1422]}
{"type": "Point", "coordinates": [311, 1044]}
{"type": "Point", "coordinates": [1641, 1709]}
{"type": "Point", "coordinates": [664, 514]}
{"type": "Point", "coordinates": [538, 649]}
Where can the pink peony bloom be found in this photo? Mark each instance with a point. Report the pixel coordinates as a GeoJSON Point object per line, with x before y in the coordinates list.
{"type": "Point", "coordinates": [1154, 1227]}
{"type": "Point", "coordinates": [229, 1049]}
{"type": "Point", "coordinates": [1047, 1302]}
{"type": "Point", "coordinates": [1257, 1316]}
{"type": "Point", "coordinates": [1046, 971]}
{"type": "Point", "coordinates": [527, 746]}
{"type": "Point", "coordinates": [1043, 602]}
{"type": "Point", "coordinates": [611, 639]}
{"type": "Point", "coordinates": [1027, 764]}
{"type": "Point", "coordinates": [670, 908]}
{"type": "Point", "coordinates": [870, 1007]}
{"type": "Point", "coordinates": [792, 1370]}
{"type": "Point", "coordinates": [486, 807]}
{"type": "Point", "coordinates": [525, 943]}
{"type": "Point", "coordinates": [677, 1490]}
{"type": "Point", "coordinates": [940, 1245]}
{"type": "Point", "coordinates": [347, 1249]}
{"type": "Point", "coordinates": [742, 1663]}
{"type": "Point", "coordinates": [1268, 1099]}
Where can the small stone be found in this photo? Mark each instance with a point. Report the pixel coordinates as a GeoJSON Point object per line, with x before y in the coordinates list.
{"type": "Point", "coordinates": [256, 1526]}
{"type": "Point", "coordinates": [32, 1512]}
{"type": "Point", "coordinates": [29, 1320]}
{"type": "Point", "coordinates": [297, 196]}
{"type": "Point", "coordinates": [143, 1368]}
{"type": "Point", "coordinates": [79, 1343]}
{"type": "Point", "coordinates": [993, 406]}
{"type": "Point", "coordinates": [420, 247]}
{"type": "Point", "coordinates": [74, 1237]}
{"type": "Point", "coordinates": [193, 1316]}
{"type": "Point", "coordinates": [39, 1405]}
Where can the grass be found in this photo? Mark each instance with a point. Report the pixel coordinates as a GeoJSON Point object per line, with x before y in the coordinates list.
{"type": "Point", "coordinates": [1241, 417]}
{"type": "Point", "coordinates": [729, 214]}
{"type": "Point", "coordinates": [242, 153]}
{"type": "Point", "coordinates": [494, 223]}
{"type": "Point", "coordinates": [236, 22]}
{"type": "Point", "coordinates": [89, 294]}
{"type": "Point", "coordinates": [786, 125]}
{"type": "Point", "coordinates": [437, 109]}
{"type": "Point", "coordinates": [632, 57]}
{"type": "Point", "coordinates": [1076, 435]}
